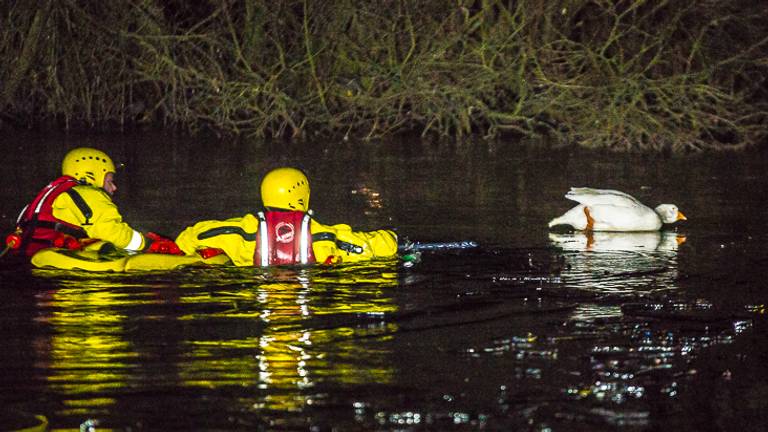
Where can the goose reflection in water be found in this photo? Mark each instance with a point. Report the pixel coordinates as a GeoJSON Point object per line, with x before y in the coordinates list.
{"type": "Point", "coordinates": [618, 241]}
{"type": "Point", "coordinates": [618, 264]}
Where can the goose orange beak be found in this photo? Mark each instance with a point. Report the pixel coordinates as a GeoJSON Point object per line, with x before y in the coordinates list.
{"type": "Point", "coordinates": [680, 239]}
{"type": "Point", "coordinates": [681, 216]}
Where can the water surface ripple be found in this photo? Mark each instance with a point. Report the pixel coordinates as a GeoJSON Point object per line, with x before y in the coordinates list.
{"type": "Point", "coordinates": [533, 330]}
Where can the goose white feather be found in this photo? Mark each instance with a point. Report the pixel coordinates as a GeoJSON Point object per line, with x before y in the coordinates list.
{"type": "Point", "coordinates": [611, 210]}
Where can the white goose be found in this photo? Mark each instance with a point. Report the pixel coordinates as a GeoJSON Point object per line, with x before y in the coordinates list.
{"type": "Point", "coordinates": [610, 210]}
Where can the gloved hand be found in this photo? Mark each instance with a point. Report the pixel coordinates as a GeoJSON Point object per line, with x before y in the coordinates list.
{"type": "Point", "coordinates": [332, 259]}
{"type": "Point", "coordinates": [162, 245]}
{"type": "Point", "coordinates": [209, 252]}
{"type": "Point", "coordinates": [67, 242]}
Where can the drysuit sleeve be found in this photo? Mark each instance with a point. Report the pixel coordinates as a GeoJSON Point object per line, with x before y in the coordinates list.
{"type": "Point", "coordinates": [92, 209]}
{"type": "Point", "coordinates": [342, 244]}
{"type": "Point", "coordinates": [236, 237]}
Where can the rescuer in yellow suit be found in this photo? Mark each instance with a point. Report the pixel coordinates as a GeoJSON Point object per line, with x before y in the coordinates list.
{"type": "Point", "coordinates": [285, 233]}
{"type": "Point", "coordinates": [78, 206]}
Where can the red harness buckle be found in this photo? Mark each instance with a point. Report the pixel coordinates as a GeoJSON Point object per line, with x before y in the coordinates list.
{"type": "Point", "coordinates": [13, 241]}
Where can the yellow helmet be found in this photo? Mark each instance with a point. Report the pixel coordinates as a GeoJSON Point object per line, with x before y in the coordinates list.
{"type": "Point", "coordinates": [285, 188]}
{"type": "Point", "coordinates": [87, 165]}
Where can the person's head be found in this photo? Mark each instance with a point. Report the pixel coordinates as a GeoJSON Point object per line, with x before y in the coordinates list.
{"type": "Point", "coordinates": [90, 166]}
{"type": "Point", "coordinates": [286, 189]}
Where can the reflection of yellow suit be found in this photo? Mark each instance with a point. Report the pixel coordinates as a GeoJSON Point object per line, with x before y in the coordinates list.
{"type": "Point", "coordinates": [237, 238]}
{"type": "Point", "coordinates": [104, 222]}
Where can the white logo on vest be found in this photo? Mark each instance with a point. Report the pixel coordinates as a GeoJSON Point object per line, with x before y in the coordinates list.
{"type": "Point", "coordinates": [284, 232]}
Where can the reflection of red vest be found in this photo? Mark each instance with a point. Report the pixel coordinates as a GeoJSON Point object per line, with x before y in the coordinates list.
{"type": "Point", "coordinates": [38, 225]}
{"type": "Point", "coordinates": [284, 238]}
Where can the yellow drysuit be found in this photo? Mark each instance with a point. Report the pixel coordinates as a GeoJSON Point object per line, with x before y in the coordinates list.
{"type": "Point", "coordinates": [334, 244]}
{"type": "Point", "coordinates": [104, 221]}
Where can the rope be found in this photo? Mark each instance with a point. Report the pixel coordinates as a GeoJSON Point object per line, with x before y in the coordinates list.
{"type": "Point", "coordinates": [416, 246]}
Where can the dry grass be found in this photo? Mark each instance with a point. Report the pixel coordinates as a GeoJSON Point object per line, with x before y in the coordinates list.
{"type": "Point", "coordinates": [626, 75]}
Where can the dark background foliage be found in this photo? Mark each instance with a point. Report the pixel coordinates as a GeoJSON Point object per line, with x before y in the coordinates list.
{"type": "Point", "coordinates": [624, 75]}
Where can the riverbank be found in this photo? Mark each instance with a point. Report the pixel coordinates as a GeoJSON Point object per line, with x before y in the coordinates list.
{"type": "Point", "coordinates": [625, 76]}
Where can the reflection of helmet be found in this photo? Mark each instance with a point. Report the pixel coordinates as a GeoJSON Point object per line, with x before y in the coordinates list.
{"type": "Point", "coordinates": [285, 188]}
{"type": "Point", "coordinates": [87, 165]}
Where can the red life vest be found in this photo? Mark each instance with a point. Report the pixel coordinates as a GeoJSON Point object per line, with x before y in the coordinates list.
{"type": "Point", "coordinates": [284, 238]}
{"type": "Point", "coordinates": [38, 225]}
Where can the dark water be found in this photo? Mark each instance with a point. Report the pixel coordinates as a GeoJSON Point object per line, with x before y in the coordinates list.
{"type": "Point", "coordinates": [533, 331]}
